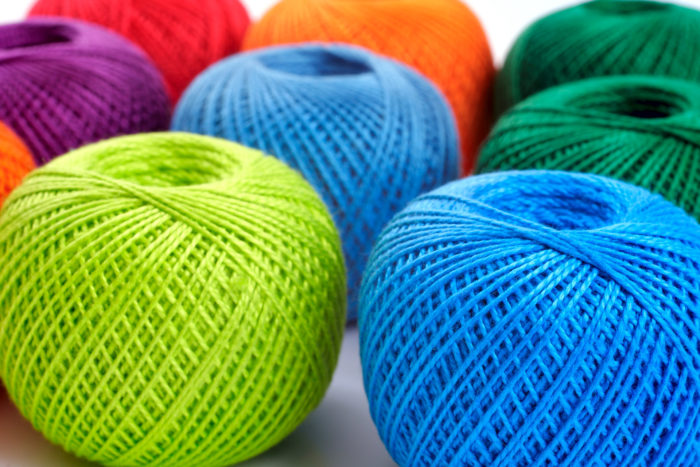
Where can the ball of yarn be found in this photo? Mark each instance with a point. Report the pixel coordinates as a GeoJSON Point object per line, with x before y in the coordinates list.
{"type": "Point", "coordinates": [535, 318]}
{"type": "Point", "coordinates": [367, 132]}
{"type": "Point", "coordinates": [182, 37]}
{"type": "Point", "coordinates": [168, 299]}
{"type": "Point", "coordinates": [440, 38]}
{"type": "Point", "coordinates": [600, 38]}
{"type": "Point", "coordinates": [15, 161]}
{"type": "Point", "coordinates": [644, 130]}
{"type": "Point", "coordinates": [65, 83]}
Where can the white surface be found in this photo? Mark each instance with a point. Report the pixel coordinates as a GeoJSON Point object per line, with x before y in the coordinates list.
{"type": "Point", "coordinates": [340, 432]}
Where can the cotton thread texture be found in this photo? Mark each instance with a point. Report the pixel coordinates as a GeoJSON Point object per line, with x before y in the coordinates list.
{"type": "Point", "coordinates": [367, 132]}
{"type": "Point", "coordinates": [644, 130]}
{"type": "Point", "coordinates": [15, 161]}
{"type": "Point", "coordinates": [601, 38]}
{"type": "Point", "coordinates": [535, 318]}
{"type": "Point", "coordinates": [168, 299]}
{"type": "Point", "coordinates": [65, 83]}
{"type": "Point", "coordinates": [440, 38]}
{"type": "Point", "coordinates": [182, 37]}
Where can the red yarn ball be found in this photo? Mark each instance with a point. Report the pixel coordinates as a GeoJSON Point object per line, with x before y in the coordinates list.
{"type": "Point", "coordinates": [182, 37]}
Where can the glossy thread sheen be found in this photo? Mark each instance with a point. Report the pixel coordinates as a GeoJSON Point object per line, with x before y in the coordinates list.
{"type": "Point", "coordinates": [182, 37]}
{"type": "Point", "coordinates": [535, 318]}
{"type": "Point", "coordinates": [644, 130]}
{"type": "Point", "coordinates": [600, 38]}
{"type": "Point", "coordinates": [168, 299]}
{"type": "Point", "coordinates": [65, 83]}
{"type": "Point", "coordinates": [442, 39]}
{"type": "Point", "coordinates": [368, 133]}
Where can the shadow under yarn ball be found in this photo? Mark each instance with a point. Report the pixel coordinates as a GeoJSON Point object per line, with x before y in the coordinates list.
{"type": "Point", "coordinates": [65, 83]}
{"type": "Point", "coordinates": [535, 318]}
{"type": "Point", "coordinates": [442, 39]}
{"type": "Point", "coordinates": [367, 132]}
{"type": "Point", "coordinates": [600, 38]}
{"type": "Point", "coordinates": [182, 37]}
{"type": "Point", "coordinates": [15, 162]}
{"type": "Point", "coordinates": [643, 130]}
{"type": "Point", "coordinates": [168, 299]}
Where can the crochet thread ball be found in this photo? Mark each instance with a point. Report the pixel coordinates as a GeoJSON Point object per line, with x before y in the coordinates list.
{"type": "Point", "coordinates": [535, 318]}
{"type": "Point", "coordinates": [644, 130]}
{"type": "Point", "coordinates": [601, 38]}
{"type": "Point", "coordinates": [442, 39]}
{"type": "Point", "coordinates": [168, 299]}
{"type": "Point", "coordinates": [65, 83]}
{"type": "Point", "coordinates": [182, 37]}
{"type": "Point", "coordinates": [367, 132]}
{"type": "Point", "coordinates": [15, 161]}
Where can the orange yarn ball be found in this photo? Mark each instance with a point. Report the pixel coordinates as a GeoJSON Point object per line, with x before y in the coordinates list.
{"type": "Point", "coordinates": [15, 161]}
{"type": "Point", "coordinates": [443, 39]}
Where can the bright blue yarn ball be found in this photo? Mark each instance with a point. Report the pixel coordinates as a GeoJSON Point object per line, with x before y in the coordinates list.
{"type": "Point", "coordinates": [535, 318]}
{"type": "Point", "coordinates": [367, 132]}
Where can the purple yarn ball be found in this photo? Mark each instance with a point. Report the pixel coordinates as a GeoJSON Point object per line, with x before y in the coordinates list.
{"type": "Point", "coordinates": [65, 83]}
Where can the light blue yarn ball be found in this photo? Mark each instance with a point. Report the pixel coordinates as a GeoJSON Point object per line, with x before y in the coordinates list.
{"type": "Point", "coordinates": [368, 133]}
{"type": "Point", "coordinates": [535, 318]}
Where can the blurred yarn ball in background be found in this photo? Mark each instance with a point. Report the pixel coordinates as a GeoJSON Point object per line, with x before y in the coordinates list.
{"type": "Point", "coordinates": [15, 162]}
{"type": "Point", "coordinates": [599, 38]}
{"type": "Point", "coordinates": [641, 129]}
{"type": "Point", "coordinates": [182, 37]}
{"type": "Point", "coordinates": [367, 132]}
{"type": "Point", "coordinates": [440, 38]}
{"type": "Point", "coordinates": [65, 83]}
{"type": "Point", "coordinates": [535, 318]}
{"type": "Point", "coordinates": [168, 299]}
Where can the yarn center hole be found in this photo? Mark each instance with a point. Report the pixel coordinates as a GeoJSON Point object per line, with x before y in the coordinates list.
{"type": "Point", "coordinates": [186, 166]}
{"type": "Point", "coordinates": [565, 207]}
{"type": "Point", "coordinates": [31, 35]}
{"type": "Point", "coordinates": [625, 7]}
{"type": "Point", "coordinates": [635, 103]}
{"type": "Point", "coordinates": [567, 212]}
{"type": "Point", "coordinates": [314, 63]}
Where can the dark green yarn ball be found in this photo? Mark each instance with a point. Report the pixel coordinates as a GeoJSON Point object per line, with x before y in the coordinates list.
{"type": "Point", "coordinates": [641, 129]}
{"type": "Point", "coordinates": [601, 38]}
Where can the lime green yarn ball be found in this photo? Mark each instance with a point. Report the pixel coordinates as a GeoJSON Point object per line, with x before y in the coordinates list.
{"type": "Point", "coordinates": [168, 299]}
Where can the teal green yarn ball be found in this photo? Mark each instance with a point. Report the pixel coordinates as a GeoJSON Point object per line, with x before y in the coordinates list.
{"type": "Point", "coordinates": [168, 299]}
{"type": "Point", "coordinates": [644, 130]}
{"type": "Point", "coordinates": [600, 38]}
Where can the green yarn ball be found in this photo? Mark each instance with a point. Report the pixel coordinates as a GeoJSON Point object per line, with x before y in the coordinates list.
{"type": "Point", "coordinates": [168, 299]}
{"type": "Point", "coordinates": [641, 129]}
{"type": "Point", "coordinates": [600, 38]}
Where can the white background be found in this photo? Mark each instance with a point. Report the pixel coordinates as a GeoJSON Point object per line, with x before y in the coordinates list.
{"type": "Point", "coordinates": [340, 432]}
{"type": "Point", "coordinates": [503, 19]}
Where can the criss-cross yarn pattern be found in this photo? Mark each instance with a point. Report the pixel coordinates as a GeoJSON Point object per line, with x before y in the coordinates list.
{"type": "Point", "coordinates": [600, 38]}
{"type": "Point", "coordinates": [182, 37]}
{"type": "Point", "coordinates": [535, 318]}
{"type": "Point", "coordinates": [367, 132]}
{"type": "Point", "coordinates": [168, 299]}
{"type": "Point", "coordinates": [15, 161]}
{"type": "Point", "coordinates": [440, 38]}
{"type": "Point", "coordinates": [65, 83]}
{"type": "Point", "coordinates": [644, 130]}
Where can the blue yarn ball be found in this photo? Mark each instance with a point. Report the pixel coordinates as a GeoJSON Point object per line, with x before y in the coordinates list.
{"type": "Point", "coordinates": [535, 318]}
{"type": "Point", "coordinates": [368, 133]}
